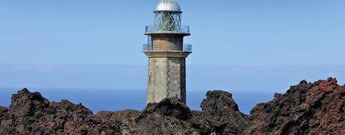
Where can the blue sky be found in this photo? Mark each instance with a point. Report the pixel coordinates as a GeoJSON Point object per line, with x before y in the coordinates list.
{"type": "Point", "coordinates": [285, 41]}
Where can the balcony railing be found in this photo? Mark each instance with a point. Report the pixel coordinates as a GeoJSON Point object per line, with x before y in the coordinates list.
{"type": "Point", "coordinates": [147, 47]}
{"type": "Point", "coordinates": [186, 47]}
{"type": "Point", "coordinates": [181, 29]}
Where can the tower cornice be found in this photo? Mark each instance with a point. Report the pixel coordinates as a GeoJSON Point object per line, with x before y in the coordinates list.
{"type": "Point", "coordinates": [168, 33]}
{"type": "Point", "coordinates": [167, 54]}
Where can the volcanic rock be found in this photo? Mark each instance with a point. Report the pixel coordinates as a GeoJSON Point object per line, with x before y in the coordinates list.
{"type": "Point", "coordinates": [220, 115]}
{"type": "Point", "coordinates": [306, 108]}
{"type": "Point", "coordinates": [31, 114]}
{"type": "Point", "coordinates": [170, 107]}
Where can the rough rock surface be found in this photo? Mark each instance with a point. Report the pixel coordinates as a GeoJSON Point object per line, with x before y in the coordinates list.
{"type": "Point", "coordinates": [307, 108]}
{"type": "Point", "coordinates": [31, 114]}
{"type": "Point", "coordinates": [220, 115]}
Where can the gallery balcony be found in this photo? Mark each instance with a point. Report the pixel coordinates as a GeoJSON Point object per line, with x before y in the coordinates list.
{"type": "Point", "coordinates": [186, 48]}
{"type": "Point", "coordinates": [183, 30]}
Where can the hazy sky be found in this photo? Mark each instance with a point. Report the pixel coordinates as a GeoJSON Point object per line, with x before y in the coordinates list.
{"type": "Point", "coordinates": [224, 32]}
{"type": "Point", "coordinates": [306, 34]}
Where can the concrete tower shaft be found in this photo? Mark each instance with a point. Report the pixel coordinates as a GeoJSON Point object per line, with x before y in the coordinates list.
{"type": "Point", "coordinates": [167, 54]}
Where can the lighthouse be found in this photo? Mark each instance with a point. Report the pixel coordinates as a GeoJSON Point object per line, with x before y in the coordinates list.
{"type": "Point", "coordinates": [166, 53]}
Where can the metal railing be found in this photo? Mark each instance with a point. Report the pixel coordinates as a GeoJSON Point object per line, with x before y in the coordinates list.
{"type": "Point", "coordinates": [147, 47]}
{"type": "Point", "coordinates": [186, 47]}
{"type": "Point", "coordinates": [182, 29]}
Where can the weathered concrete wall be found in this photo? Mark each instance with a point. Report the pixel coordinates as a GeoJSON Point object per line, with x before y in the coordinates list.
{"type": "Point", "coordinates": [166, 79]}
{"type": "Point", "coordinates": [167, 42]}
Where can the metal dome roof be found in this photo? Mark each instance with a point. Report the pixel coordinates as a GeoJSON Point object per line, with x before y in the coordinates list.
{"type": "Point", "coordinates": [168, 5]}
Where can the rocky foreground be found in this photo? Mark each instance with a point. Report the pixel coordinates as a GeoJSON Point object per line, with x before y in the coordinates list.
{"type": "Point", "coordinates": [307, 108]}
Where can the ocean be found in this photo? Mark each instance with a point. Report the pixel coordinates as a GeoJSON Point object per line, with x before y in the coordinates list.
{"type": "Point", "coordinates": [115, 100]}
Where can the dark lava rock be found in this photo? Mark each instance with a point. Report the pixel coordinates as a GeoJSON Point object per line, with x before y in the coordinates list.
{"type": "Point", "coordinates": [219, 103]}
{"type": "Point", "coordinates": [3, 112]}
{"type": "Point", "coordinates": [307, 108]}
{"type": "Point", "coordinates": [31, 114]}
{"type": "Point", "coordinates": [125, 118]}
{"type": "Point", "coordinates": [220, 115]}
{"type": "Point", "coordinates": [25, 103]}
{"type": "Point", "coordinates": [166, 117]}
{"type": "Point", "coordinates": [170, 107]}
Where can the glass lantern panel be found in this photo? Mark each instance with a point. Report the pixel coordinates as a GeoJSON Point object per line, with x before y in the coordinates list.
{"type": "Point", "coordinates": [167, 22]}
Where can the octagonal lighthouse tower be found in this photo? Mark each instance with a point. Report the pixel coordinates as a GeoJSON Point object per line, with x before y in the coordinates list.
{"type": "Point", "coordinates": [167, 54]}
